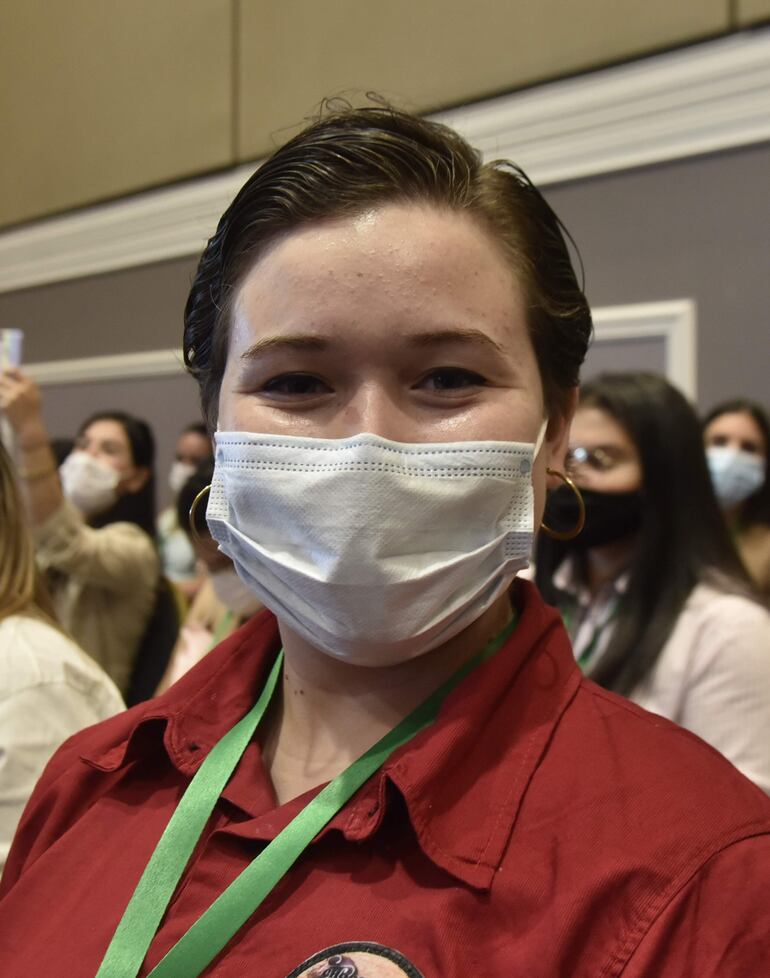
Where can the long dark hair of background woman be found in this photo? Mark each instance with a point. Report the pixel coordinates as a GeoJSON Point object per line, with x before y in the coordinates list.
{"type": "Point", "coordinates": [682, 539]}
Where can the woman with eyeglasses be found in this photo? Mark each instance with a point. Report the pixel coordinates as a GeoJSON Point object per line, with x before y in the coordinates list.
{"type": "Point", "coordinates": [652, 591]}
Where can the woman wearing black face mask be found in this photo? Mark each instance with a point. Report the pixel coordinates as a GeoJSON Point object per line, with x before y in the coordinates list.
{"type": "Point", "coordinates": [655, 599]}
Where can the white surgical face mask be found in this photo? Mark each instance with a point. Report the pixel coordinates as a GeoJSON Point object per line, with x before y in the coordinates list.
{"type": "Point", "coordinates": [234, 594]}
{"type": "Point", "coordinates": [178, 474]}
{"type": "Point", "coordinates": [89, 484]}
{"type": "Point", "coordinates": [373, 551]}
{"type": "Point", "coordinates": [735, 474]}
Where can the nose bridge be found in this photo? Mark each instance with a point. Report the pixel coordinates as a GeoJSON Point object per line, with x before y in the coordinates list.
{"type": "Point", "coordinates": [373, 409]}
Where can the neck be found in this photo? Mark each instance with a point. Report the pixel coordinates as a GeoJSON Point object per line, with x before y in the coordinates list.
{"type": "Point", "coordinates": [330, 711]}
{"type": "Point", "coordinates": [603, 564]}
{"type": "Point", "coordinates": [732, 516]}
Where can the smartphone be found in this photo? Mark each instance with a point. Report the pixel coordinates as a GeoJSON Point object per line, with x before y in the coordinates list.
{"type": "Point", "coordinates": [11, 341]}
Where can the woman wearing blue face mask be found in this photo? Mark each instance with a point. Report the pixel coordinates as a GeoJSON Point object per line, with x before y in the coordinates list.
{"type": "Point", "coordinates": [652, 592]}
{"type": "Point", "coordinates": [397, 768]}
{"type": "Point", "coordinates": [737, 439]}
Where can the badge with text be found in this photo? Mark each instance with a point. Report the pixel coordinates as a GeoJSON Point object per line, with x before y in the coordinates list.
{"type": "Point", "coordinates": [357, 959]}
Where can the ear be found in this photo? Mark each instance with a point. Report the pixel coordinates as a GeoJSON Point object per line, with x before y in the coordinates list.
{"type": "Point", "coordinates": [138, 480]}
{"type": "Point", "coordinates": [557, 437]}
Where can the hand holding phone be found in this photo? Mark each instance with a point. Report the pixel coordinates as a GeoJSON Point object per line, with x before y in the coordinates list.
{"type": "Point", "coordinates": [11, 342]}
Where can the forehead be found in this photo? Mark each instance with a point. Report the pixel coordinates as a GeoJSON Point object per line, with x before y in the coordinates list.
{"type": "Point", "coordinates": [593, 427]}
{"type": "Point", "coordinates": [106, 430]}
{"type": "Point", "coordinates": [395, 263]}
{"type": "Point", "coordinates": [736, 424]}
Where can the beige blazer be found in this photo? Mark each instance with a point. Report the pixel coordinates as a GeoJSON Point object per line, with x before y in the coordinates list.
{"type": "Point", "coordinates": [103, 585]}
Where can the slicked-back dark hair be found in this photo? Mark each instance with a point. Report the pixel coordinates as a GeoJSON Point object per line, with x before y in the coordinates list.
{"type": "Point", "coordinates": [683, 539]}
{"type": "Point", "coordinates": [354, 159]}
{"type": "Point", "coordinates": [755, 509]}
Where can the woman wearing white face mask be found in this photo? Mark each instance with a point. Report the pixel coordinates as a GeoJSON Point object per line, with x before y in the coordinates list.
{"type": "Point", "coordinates": [737, 439]}
{"type": "Point", "coordinates": [93, 523]}
{"type": "Point", "coordinates": [222, 603]}
{"type": "Point", "coordinates": [410, 775]}
{"type": "Point", "coordinates": [177, 557]}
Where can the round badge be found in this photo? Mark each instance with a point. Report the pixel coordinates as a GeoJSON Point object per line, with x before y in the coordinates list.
{"type": "Point", "coordinates": [357, 959]}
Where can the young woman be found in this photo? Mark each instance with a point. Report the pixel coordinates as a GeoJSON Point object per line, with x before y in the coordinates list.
{"type": "Point", "coordinates": [223, 602]}
{"type": "Point", "coordinates": [410, 776]}
{"type": "Point", "coordinates": [49, 688]}
{"type": "Point", "coordinates": [737, 438]}
{"type": "Point", "coordinates": [178, 559]}
{"type": "Point", "coordinates": [653, 594]}
{"type": "Point", "coordinates": [93, 523]}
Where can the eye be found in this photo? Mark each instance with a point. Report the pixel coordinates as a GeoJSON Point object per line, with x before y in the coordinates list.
{"type": "Point", "coordinates": [451, 379]}
{"type": "Point", "coordinates": [296, 385]}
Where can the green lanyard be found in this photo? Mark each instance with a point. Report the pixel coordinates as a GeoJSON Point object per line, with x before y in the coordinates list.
{"type": "Point", "coordinates": [587, 654]}
{"type": "Point", "coordinates": [210, 933]}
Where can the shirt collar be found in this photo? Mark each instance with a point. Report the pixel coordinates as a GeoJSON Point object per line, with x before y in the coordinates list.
{"type": "Point", "coordinates": [567, 578]}
{"type": "Point", "coordinates": [498, 721]}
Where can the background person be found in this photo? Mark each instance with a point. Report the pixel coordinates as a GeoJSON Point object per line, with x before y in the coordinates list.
{"type": "Point", "coordinates": [387, 335]}
{"type": "Point", "coordinates": [652, 591]}
{"type": "Point", "coordinates": [49, 688]}
{"type": "Point", "coordinates": [223, 602]}
{"type": "Point", "coordinates": [93, 523]}
{"type": "Point", "coordinates": [737, 438]}
{"type": "Point", "coordinates": [177, 557]}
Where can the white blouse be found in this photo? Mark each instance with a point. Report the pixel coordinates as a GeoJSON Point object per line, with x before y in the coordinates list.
{"type": "Point", "coordinates": [712, 676]}
{"type": "Point", "coordinates": [49, 690]}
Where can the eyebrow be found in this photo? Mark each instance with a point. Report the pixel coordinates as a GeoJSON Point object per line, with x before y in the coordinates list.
{"type": "Point", "coordinates": [300, 342]}
{"type": "Point", "coordinates": [310, 343]}
{"type": "Point", "coordinates": [469, 337]}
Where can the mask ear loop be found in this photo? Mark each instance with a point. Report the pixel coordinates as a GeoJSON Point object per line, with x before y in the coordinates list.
{"type": "Point", "coordinates": [191, 516]}
{"type": "Point", "coordinates": [581, 520]}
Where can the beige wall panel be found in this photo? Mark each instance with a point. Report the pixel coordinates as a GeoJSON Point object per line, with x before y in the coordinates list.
{"type": "Point", "coordinates": [434, 53]}
{"type": "Point", "coordinates": [751, 11]}
{"type": "Point", "coordinates": [101, 98]}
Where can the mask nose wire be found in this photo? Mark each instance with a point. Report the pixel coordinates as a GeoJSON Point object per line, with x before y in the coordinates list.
{"type": "Point", "coordinates": [540, 439]}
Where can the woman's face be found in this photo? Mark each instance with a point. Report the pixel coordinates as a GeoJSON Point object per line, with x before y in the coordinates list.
{"type": "Point", "coordinates": [192, 448]}
{"type": "Point", "coordinates": [602, 456]}
{"type": "Point", "coordinates": [107, 441]}
{"type": "Point", "coordinates": [737, 430]}
{"type": "Point", "coordinates": [404, 321]}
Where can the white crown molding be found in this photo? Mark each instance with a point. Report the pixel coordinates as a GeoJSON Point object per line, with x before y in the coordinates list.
{"type": "Point", "coordinates": [704, 98]}
{"type": "Point", "coordinates": [708, 97]}
{"type": "Point", "coordinates": [118, 366]}
{"type": "Point", "coordinates": [673, 321]}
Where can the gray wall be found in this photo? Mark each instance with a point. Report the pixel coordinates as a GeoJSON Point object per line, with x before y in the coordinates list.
{"type": "Point", "coordinates": [128, 311]}
{"type": "Point", "coordinates": [697, 228]}
{"type": "Point", "coordinates": [691, 229]}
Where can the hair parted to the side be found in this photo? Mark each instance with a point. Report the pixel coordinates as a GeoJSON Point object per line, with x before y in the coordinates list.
{"type": "Point", "coordinates": [683, 539]}
{"type": "Point", "coordinates": [352, 159]}
{"type": "Point", "coordinates": [21, 587]}
{"type": "Point", "coordinates": [755, 509]}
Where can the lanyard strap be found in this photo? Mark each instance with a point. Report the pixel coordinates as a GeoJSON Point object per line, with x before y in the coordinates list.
{"type": "Point", "coordinates": [586, 656]}
{"type": "Point", "coordinates": [210, 933]}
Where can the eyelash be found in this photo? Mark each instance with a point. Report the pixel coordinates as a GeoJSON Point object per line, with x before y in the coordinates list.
{"type": "Point", "coordinates": [471, 378]}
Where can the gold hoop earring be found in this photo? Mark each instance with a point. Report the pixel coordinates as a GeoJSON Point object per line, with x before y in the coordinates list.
{"type": "Point", "coordinates": [191, 516]}
{"type": "Point", "coordinates": [581, 520]}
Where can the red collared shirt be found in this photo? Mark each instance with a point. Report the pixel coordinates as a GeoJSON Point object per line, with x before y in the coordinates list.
{"type": "Point", "coordinates": [541, 827]}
